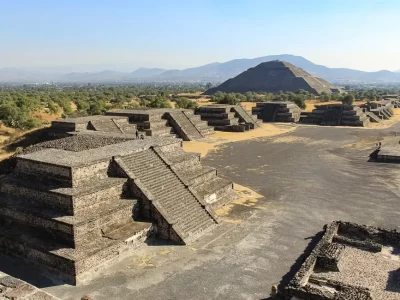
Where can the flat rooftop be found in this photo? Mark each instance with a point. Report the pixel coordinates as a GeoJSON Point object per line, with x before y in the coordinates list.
{"type": "Point", "coordinates": [88, 118]}
{"type": "Point", "coordinates": [70, 158]}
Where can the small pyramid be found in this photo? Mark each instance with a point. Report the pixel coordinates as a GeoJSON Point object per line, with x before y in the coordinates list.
{"type": "Point", "coordinates": [273, 77]}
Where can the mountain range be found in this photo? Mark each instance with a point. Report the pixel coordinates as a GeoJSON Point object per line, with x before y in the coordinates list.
{"type": "Point", "coordinates": [214, 72]}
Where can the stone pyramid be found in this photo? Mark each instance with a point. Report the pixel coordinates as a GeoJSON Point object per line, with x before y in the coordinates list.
{"type": "Point", "coordinates": [273, 77]}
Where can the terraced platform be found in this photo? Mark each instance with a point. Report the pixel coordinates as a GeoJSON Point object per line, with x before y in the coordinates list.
{"type": "Point", "coordinates": [227, 117]}
{"type": "Point", "coordinates": [336, 115]}
{"type": "Point", "coordinates": [166, 122]}
{"type": "Point", "coordinates": [277, 111]}
{"type": "Point", "coordinates": [70, 212]}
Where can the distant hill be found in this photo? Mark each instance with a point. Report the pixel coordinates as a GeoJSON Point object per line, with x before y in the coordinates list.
{"type": "Point", "coordinates": [214, 72]}
{"type": "Point", "coordinates": [273, 77]}
{"type": "Point", "coordinates": [146, 72]}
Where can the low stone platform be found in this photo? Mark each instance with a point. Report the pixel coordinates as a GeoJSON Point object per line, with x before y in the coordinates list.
{"type": "Point", "coordinates": [388, 152]}
{"type": "Point", "coordinates": [227, 117]}
{"type": "Point", "coordinates": [378, 111]}
{"type": "Point", "coordinates": [336, 115]}
{"type": "Point", "coordinates": [15, 289]}
{"type": "Point", "coordinates": [166, 122]}
{"type": "Point", "coordinates": [349, 262]}
{"type": "Point", "coordinates": [277, 111]}
{"type": "Point", "coordinates": [71, 205]}
{"type": "Point", "coordinates": [112, 124]}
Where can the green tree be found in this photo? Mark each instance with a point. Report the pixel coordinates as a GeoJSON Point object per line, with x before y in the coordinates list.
{"type": "Point", "coordinates": [348, 99]}
{"type": "Point", "coordinates": [183, 102]}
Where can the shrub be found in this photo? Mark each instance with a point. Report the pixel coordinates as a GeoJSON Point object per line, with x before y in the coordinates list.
{"type": "Point", "coordinates": [182, 102]}
{"type": "Point", "coordinates": [348, 99]}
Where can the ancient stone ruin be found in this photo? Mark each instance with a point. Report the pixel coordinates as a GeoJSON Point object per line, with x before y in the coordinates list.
{"type": "Point", "coordinates": [277, 111]}
{"type": "Point", "coordinates": [387, 151]}
{"type": "Point", "coordinates": [349, 262]}
{"type": "Point", "coordinates": [227, 117]}
{"type": "Point", "coordinates": [149, 122]}
{"type": "Point", "coordinates": [182, 123]}
{"type": "Point", "coordinates": [117, 125]}
{"type": "Point", "coordinates": [15, 289]}
{"type": "Point", "coordinates": [274, 77]}
{"type": "Point", "coordinates": [336, 115]}
{"type": "Point", "coordinates": [70, 206]}
{"type": "Point", "coordinates": [378, 111]}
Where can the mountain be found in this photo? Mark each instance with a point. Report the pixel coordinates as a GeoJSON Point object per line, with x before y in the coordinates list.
{"type": "Point", "coordinates": [215, 72]}
{"type": "Point", "coordinates": [146, 72]}
{"type": "Point", "coordinates": [273, 77]}
{"type": "Point", "coordinates": [223, 71]}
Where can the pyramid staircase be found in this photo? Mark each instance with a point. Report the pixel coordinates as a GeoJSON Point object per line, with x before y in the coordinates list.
{"type": "Point", "coordinates": [246, 117]}
{"type": "Point", "coordinates": [182, 124]}
{"type": "Point", "coordinates": [187, 216]}
{"type": "Point", "coordinates": [227, 117]}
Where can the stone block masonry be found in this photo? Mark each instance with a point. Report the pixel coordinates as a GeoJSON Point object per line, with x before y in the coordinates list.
{"type": "Point", "coordinates": [15, 289]}
{"type": "Point", "coordinates": [70, 212]}
{"type": "Point", "coordinates": [180, 123]}
{"type": "Point", "coordinates": [277, 111]}
{"type": "Point", "coordinates": [227, 117]}
{"type": "Point", "coordinates": [350, 261]}
{"type": "Point", "coordinates": [336, 115]}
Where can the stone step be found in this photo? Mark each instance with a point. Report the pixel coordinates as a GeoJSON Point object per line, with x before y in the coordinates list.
{"type": "Point", "coordinates": [212, 191]}
{"type": "Point", "coordinates": [69, 229]}
{"type": "Point", "coordinates": [198, 174]}
{"type": "Point", "coordinates": [182, 124]}
{"type": "Point", "coordinates": [63, 200]}
{"type": "Point", "coordinates": [172, 196]}
{"type": "Point", "coordinates": [61, 261]}
{"type": "Point", "coordinates": [104, 125]}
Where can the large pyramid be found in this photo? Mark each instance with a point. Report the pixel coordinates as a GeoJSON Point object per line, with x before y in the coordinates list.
{"type": "Point", "coordinates": [273, 77]}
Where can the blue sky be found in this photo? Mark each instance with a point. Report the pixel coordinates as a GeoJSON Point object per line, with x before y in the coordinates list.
{"type": "Point", "coordinates": [178, 34]}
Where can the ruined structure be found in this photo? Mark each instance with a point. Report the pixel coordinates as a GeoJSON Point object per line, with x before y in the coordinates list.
{"type": "Point", "coordinates": [227, 117]}
{"type": "Point", "coordinates": [110, 124]}
{"type": "Point", "coordinates": [349, 262]}
{"type": "Point", "coordinates": [166, 122]}
{"type": "Point", "coordinates": [274, 77]}
{"type": "Point", "coordinates": [150, 122]}
{"type": "Point", "coordinates": [277, 111]}
{"type": "Point", "coordinates": [378, 111]}
{"type": "Point", "coordinates": [70, 206]}
{"type": "Point", "coordinates": [336, 115]}
{"type": "Point", "coordinates": [15, 289]}
{"type": "Point", "coordinates": [388, 151]}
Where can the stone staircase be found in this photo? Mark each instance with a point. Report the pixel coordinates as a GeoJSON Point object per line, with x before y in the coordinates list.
{"type": "Point", "coordinates": [277, 111]}
{"type": "Point", "coordinates": [106, 125]}
{"type": "Point", "coordinates": [336, 115]}
{"type": "Point", "coordinates": [373, 117]}
{"type": "Point", "coordinates": [173, 200]}
{"type": "Point", "coordinates": [211, 189]}
{"type": "Point", "coordinates": [166, 122]}
{"type": "Point", "coordinates": [183, 125]}
{"type": "Point", "coordinates": [245, 116]}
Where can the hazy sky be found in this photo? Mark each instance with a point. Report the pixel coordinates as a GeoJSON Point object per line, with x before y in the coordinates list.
{"type": "Point", "coordinates": [357, 34]}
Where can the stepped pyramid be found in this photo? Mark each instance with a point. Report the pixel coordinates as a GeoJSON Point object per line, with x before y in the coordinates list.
{"type": "Point", "coordinates": [228, 117]}
{"type": "Point", "coordinates": [273, 77]}
{"type": "Point", "coordinates": [158, 122]}
{"type": "Point", "coordinates": [336, 115]}
{"type": "Point", "coordinates": [70, 211]}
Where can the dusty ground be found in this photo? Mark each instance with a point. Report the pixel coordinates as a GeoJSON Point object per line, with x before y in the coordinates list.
{"type": "Point", "coordinates": [219, 138]}
{"type": "Point", "coordinates": [300, 180]}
